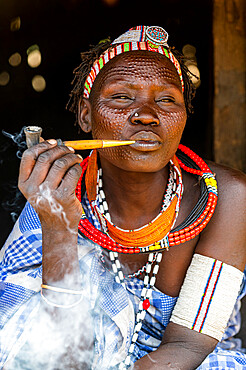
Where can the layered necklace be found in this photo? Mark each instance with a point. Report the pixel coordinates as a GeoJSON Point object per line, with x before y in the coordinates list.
{"type": "Point", "coordinates": [156, 231]}
{"type": "Point", "coordinates": [169, 236]}
{"type": "Point", "coordinates": [153, 238]}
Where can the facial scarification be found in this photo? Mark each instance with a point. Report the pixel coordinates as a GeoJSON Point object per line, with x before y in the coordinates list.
{"type": "Point", "coordinates": [147, 84]}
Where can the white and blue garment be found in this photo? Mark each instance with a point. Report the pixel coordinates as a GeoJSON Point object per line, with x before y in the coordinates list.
{"type": "Point", "coordinates": [114, 307]}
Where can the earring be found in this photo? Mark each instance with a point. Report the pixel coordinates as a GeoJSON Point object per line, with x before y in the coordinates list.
{"type": "Point", "coordinates": [136, 114]}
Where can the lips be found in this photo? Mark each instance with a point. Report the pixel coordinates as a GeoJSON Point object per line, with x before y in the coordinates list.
{"type": "Point", "coordinates": [146, 141]}
{"type": "Point", "coordinates": [145, 136]}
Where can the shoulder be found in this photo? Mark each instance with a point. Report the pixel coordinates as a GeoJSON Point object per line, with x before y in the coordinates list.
{"type": "Point", "coordinates": [229, 180]}
{"type": "Point", "coordinates": [225, 236]}
{"type": "Point", "coordinates": [231, 191]}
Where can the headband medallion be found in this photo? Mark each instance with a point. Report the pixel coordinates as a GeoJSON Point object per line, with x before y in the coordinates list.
{"type": "Point", "coordinates": [156, 36]}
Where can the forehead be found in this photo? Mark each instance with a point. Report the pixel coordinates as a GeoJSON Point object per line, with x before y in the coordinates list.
{"type": "Point", "coordinates": [138, 65]}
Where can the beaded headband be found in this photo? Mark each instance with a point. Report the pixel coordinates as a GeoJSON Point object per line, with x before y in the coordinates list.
{"type": "Point", "coordinates": [150, 38]}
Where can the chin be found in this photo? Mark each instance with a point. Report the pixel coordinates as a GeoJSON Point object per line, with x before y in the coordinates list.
{"type": "Point", "coordinates": [143, 165]}
{"type": "Point", "coordinates": [144, 168]}
{"type": "Point", "coordinates": [133, 161]}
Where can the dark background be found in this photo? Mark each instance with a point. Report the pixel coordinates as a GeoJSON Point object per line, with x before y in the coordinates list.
{"type": "Point", "coordinates": [63, 29]}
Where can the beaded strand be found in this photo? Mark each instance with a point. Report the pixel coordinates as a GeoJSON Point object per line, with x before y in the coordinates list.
{"type": "Point", "coordinates": [149, 283]}
{"type": "Point", "coordinates": [144, 304]}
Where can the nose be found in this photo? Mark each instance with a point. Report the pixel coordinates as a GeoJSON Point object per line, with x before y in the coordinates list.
{"type": "Point", "coordinates": [145, 116]}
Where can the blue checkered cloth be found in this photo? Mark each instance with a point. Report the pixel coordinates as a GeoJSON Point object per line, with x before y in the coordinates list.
{"type": "Point", "coordinates": [114, 307]}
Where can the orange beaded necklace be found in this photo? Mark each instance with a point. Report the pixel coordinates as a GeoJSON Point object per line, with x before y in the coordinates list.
{"type": "Point", "coordinates": [149, 234]}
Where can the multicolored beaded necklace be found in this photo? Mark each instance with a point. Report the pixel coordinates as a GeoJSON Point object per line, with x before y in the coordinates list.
{"type": "Point", "coordinates": [191, 227]}
{"type": "Point", "coordinates": [187, 230]}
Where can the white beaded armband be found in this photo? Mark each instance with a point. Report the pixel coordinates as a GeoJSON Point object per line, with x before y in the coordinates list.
{"type": "Point", "coordinates": [208, 296]}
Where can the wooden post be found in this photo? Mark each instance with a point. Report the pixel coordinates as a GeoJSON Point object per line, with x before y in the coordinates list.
{"type": "Point", "coordinates": [229, 29]}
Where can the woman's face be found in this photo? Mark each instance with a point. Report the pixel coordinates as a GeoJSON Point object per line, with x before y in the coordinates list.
{"type": "Point", "coordinates": [137, 96]}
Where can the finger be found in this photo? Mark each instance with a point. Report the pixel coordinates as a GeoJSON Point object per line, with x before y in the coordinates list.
{"type": "Point", "coordinates": [60, 167]}
{"type": "Point", "coordinates": [30, 156]}
{"type": "Point", "coordinates": [45, 161]}
{"type": "Point", "coordinates": [70, 180]}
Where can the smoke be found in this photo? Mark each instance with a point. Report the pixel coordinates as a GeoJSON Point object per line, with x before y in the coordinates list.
{"type": "Point", "coordinates": [62, 337]}
{"type": "Point", "coordinates": [58, 338]}
{"type": "Point", "coordinates": [65, 335]}
{"type": "Point", "coordinates": [45, 200]}
{"type": "Point", "coordinates": [11, 149]}
{"type": "Point", "coordinates": [14, 200]}
{"type": "Point", "coordinates": [19, 139]}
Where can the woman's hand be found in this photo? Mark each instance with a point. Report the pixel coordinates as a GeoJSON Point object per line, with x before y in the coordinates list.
{"type": "Point", "coordinates": [48, 177]}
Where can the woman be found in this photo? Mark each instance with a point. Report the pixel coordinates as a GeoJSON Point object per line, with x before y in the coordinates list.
{"type": "Point", "coordinates": [161, 264]}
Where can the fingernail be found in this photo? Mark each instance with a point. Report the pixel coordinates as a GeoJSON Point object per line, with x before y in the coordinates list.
{"type": "Point", "coordinates": [52, 141]}
{"type": "Point", "coordinates": [78, 155]}
{"type": "Point", "coordinates": [70, 148]}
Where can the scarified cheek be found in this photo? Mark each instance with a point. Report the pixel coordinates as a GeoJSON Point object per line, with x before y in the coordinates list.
{"type": "Point", "coordinates": [108, 129]}
{"type": "Point", "coordinates": [107, 121]}
{"type": "Point", "coordinates": [174, 123]}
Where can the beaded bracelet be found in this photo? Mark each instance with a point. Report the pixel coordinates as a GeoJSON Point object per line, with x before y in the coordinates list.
{"type": "Point", "coordinates": [60, 305]}
{"type": "Point", "coordinates": [207, 296]}
{"type": "Point", "coordinates": [61, 290]}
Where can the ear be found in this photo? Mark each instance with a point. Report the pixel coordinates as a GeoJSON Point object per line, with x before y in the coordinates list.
{"type": "Point", "coordinates": [84, 115]}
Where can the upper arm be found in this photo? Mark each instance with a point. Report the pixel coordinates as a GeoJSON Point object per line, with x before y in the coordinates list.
{"type": "Point", "coordinates": [223, 239]}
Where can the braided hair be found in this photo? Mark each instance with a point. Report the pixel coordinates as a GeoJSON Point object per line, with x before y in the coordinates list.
{"type": "Point", "coordinates": [89, 57]}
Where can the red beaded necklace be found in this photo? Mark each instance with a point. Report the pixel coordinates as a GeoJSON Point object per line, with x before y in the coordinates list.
{"type": "Point", "coordinates": [176, 236]}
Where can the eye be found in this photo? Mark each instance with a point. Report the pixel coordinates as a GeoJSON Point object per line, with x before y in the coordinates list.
{"type": "Point", "coordinates": [121, 97]}
{"type": "Point", "coordinates": [166, 99]}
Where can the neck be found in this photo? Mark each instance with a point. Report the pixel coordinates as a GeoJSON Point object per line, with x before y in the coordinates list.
{"type": "Point", "coordinates": [134, 199]}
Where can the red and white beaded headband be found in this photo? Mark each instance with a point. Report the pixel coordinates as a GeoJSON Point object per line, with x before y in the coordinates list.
{"type": "Point", "coordinates": [151, 38]}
